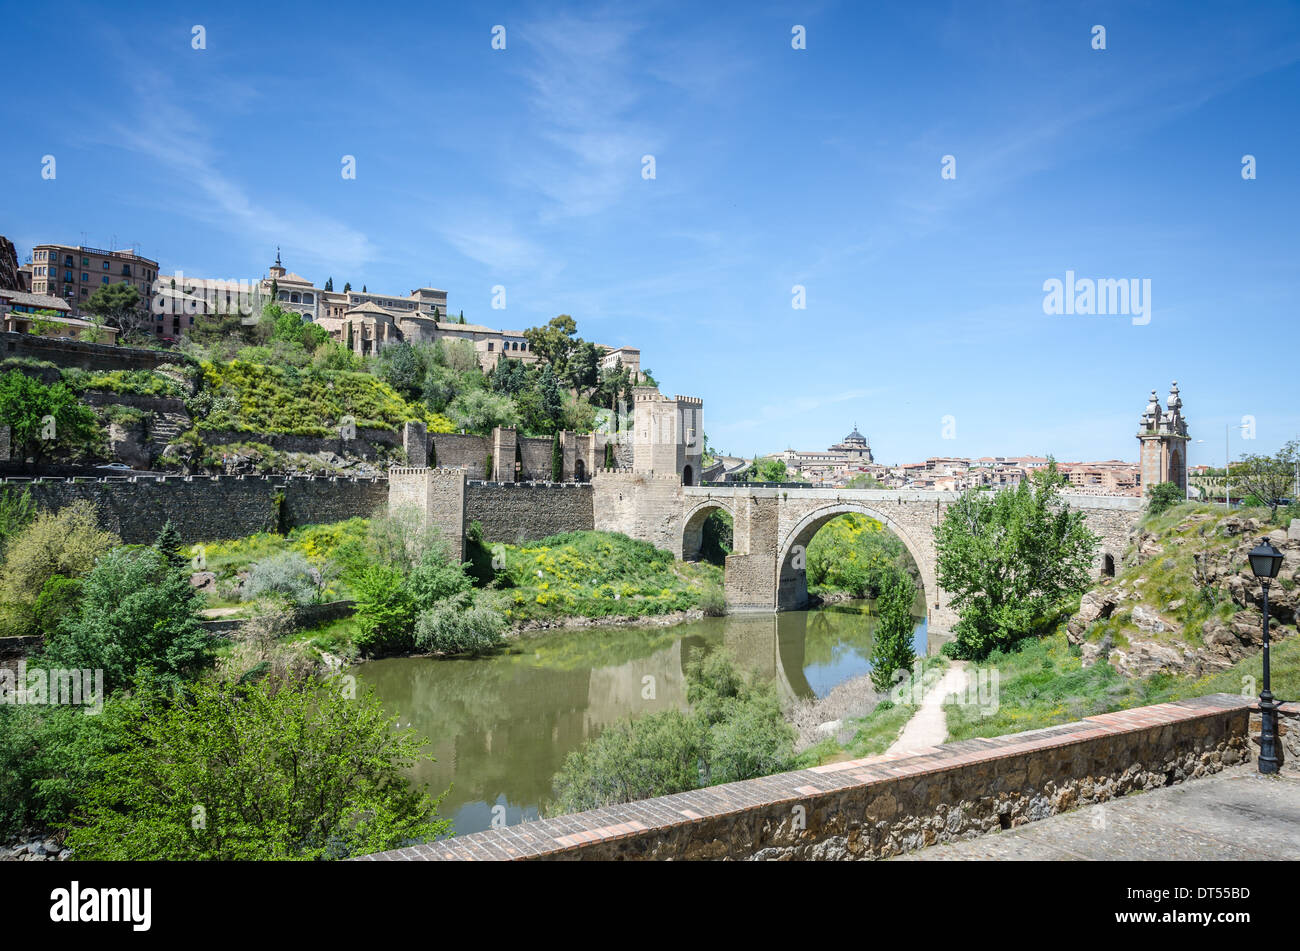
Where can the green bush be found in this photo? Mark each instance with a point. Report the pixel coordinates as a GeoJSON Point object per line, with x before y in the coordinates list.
{"type": "Point", "coordinates": [63, 543]}
{"type": "Point", "coordinates": [274, 770]}
{"type": "Point", "coordinates": [460, 624]}
{"type": "Point", "coordinates": [288, 575]}
{"type": "Point", "coordinates": [434, 579]}
{"type": "Point", "coordinates": [385, 612]}
{"type": "Point", "coordinates": [735, 730]}
{"type": "Point", "coordinates": [137, 613]}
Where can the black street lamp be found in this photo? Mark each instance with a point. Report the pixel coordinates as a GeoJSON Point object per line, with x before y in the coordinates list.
{"type": "Point", "coordinates": [1265, 562]}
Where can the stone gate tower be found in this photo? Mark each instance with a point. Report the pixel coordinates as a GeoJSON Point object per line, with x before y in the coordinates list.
{"type": "Point", "coordinates": [668, 434]}
{"type": "Point", "coordinates": [1163, 438]}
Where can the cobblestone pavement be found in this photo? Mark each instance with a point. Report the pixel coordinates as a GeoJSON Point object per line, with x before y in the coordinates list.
{"type": "Point", "coordinates": [1234, 815]}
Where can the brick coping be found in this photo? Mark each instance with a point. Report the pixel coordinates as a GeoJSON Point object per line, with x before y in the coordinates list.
{"type": "Point", "coordinates": [559, 834]}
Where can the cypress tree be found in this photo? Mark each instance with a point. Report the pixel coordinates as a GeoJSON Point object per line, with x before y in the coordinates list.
{"type": "Point", "coordinates": [557, 459]}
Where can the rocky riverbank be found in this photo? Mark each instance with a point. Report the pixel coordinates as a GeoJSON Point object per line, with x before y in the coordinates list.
{"type": "Point", "coordinates": [1186, 602]}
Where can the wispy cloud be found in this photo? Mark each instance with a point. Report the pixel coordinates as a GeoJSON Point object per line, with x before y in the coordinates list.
{"type": "Point", "coordinates": [195, 187]}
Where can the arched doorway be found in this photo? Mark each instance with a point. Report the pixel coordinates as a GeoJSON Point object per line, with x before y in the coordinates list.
{"type": "Point", "coordinates": [579, 471]}
{"type": "Point", "coordinates": [688, 476]}
{"type": "Point", "coordinates": [1107, 566]}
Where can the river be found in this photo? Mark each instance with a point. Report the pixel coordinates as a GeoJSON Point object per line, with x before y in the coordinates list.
{"type": "Point", "coordinates": [499, 727]}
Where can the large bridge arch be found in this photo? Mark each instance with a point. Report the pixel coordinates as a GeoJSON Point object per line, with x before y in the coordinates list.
{"type": "Point", "coordinates": [791, 577]}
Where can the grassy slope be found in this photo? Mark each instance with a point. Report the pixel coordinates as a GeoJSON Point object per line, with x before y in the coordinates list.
{"type": "Point", "coordinates": [1044, 683]}
{"type": "Point", "coordinates": [600, 574]}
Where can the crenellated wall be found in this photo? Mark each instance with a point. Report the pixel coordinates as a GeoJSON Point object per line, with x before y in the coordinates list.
{"type": "Point", "coordinates": [209, 508]}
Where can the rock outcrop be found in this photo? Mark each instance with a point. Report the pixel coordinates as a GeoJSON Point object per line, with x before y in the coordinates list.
{"type": "Point", "coordinates": [1220, 620]}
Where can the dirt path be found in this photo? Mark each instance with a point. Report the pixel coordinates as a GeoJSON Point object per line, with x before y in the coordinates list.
{"type": "Point", "coordinates": [929, 726]}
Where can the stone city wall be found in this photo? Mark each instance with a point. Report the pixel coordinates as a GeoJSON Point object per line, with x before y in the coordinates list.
{"type": "Point", "coordinates": [878, 807]}
{"type": "Point", "coordinates": [209, 508]}
{"type": "Point", "coordinates": [520, 511]}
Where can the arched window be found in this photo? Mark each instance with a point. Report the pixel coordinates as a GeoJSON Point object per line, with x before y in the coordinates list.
{"type": "Point", "coordinates": [687, 476]}
{"type": "Point", "coordinates": [294, 298]}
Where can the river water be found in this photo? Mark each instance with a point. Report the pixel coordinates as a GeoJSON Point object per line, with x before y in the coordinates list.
{"type": "Point", "coordinates": [501, 726]}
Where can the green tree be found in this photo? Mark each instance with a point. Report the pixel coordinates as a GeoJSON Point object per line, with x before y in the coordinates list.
{"type": "Point", "coordinates": [892, 647]}
{"type": "Point", "coordinates": [1010, 559]}
{"type": "Point", "coordinates": [1269, 478]}
{"type": "Point", "coordinates": [329, 283]}
{"type": "Point", "coordinates": [119, 305]}
{"type": "Point", "coordinates": [555, 342]}
{"type": "Point", "coordinates": [282, 769]}
{"type": "Point", "coordinates": [1164, 496]}
{"type": "Point", "coordinates": [137, 613]}
{"type": "Point", "coordinates": [557, 459]}
{"type": "Point", "coordinates": [551, 404]}
{"type": "Point", "coordinates": [385, 612]}
{"type": "Point", "coordinates": [347, 286]}
{"type": "Point", "coordinates": [61, 544]}
{"type": "Point", "coordinates": [44, 418]}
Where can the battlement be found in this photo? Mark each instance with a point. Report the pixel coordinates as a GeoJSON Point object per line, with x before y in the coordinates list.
{"type": "Point", "coordinates": [180, 479]}
{"type": "Point", "coordinates": [689, 400]}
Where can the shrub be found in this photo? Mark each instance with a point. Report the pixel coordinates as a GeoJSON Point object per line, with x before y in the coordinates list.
{"type": "Point", "coordinates": [385, 612]}
{"type": "Point", "coordinates": [657, 755]}
{"type": "Point", "coordinates": [65, 543]}
{"type": "Point", "coordinates": [1164, 496]}
{"type": "Point", "coordinates": [753, 741]}
{"type": "Point", "coordinates": [293, 770]}
{"type": "Point", "coordinates": [137, 612]}
{"type": "Point", "coordinates": [460, 625]}
{"type": "Point", "coordinates": [713, 600]}
{"type": "Point", "coordinates": [288, 575]}
{"type": "Point", "coordinates": [434, 579]}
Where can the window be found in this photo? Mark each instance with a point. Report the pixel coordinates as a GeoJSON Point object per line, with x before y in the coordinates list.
{"type": "Point", "coordinates": [104, 279]}
{"type": "Point", "coordinates": [489, 346]}
{"type": "Point", "coordinates": [85, 276]}
{"type": "Point", "coordinates": [309, 298]}
{"type": "Point", "coordinates": [67, 260]}
{"type": "Point", "coordinates": [126, 269]}
{"type": "Point", "coordinates": [85, 262]}
{"type": "Point", "coordinates": [105, 263]}
{"type": "Point", "coordinates": [67, 275]}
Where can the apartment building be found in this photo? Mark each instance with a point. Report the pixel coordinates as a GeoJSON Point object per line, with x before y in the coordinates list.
{"type": "Point", "coordinates": [74, 273]}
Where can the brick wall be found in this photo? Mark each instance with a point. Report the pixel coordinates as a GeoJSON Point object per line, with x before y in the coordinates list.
{"type": "Point", "coordinates": [882, 806]}
{"type": "Point", "coordinates": [210, 508]}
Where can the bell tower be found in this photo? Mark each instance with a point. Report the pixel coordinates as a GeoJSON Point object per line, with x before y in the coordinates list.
{"type": "Point", "coordinates": [1162, 436]}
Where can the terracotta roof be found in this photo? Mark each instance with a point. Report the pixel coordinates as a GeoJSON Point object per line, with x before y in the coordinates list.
{"type": "Point", "coordinates": [44, 301]}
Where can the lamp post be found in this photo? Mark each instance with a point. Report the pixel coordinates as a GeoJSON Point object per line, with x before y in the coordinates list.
{"type": "Point", "coordinates": [1265, 562]}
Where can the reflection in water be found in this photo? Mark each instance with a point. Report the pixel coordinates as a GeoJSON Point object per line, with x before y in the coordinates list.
{"type": "Point", "coordinates": [501, 726]}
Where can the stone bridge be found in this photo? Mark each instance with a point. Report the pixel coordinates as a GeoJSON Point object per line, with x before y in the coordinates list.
{"type": "Point", "coordinates": [772, 526]}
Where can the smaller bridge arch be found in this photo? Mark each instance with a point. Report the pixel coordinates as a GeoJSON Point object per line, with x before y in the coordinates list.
{"type": "Point", "coordinates": [693, 525]}
{"type": "Point", "coordinates": [792, 578]}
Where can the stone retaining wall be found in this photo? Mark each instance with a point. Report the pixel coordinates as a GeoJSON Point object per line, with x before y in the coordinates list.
{"type": "Point", "coordinates": [210, 508]}
{"type": "Point", "coordinates": [882, 806]}
{"type": "Point", "coordinates": [520, 511]}
{"type": "Point", "coordinates": [86, 356]}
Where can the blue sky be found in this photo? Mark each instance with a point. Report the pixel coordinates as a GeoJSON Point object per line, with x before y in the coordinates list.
{"type": "Point", "coordinates": [774, 167]}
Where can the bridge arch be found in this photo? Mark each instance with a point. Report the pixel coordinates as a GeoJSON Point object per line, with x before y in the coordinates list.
{"type": "Point", "coordinates": [792, 579]}
{"type": "Point", "coordinates": [693, 525]}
